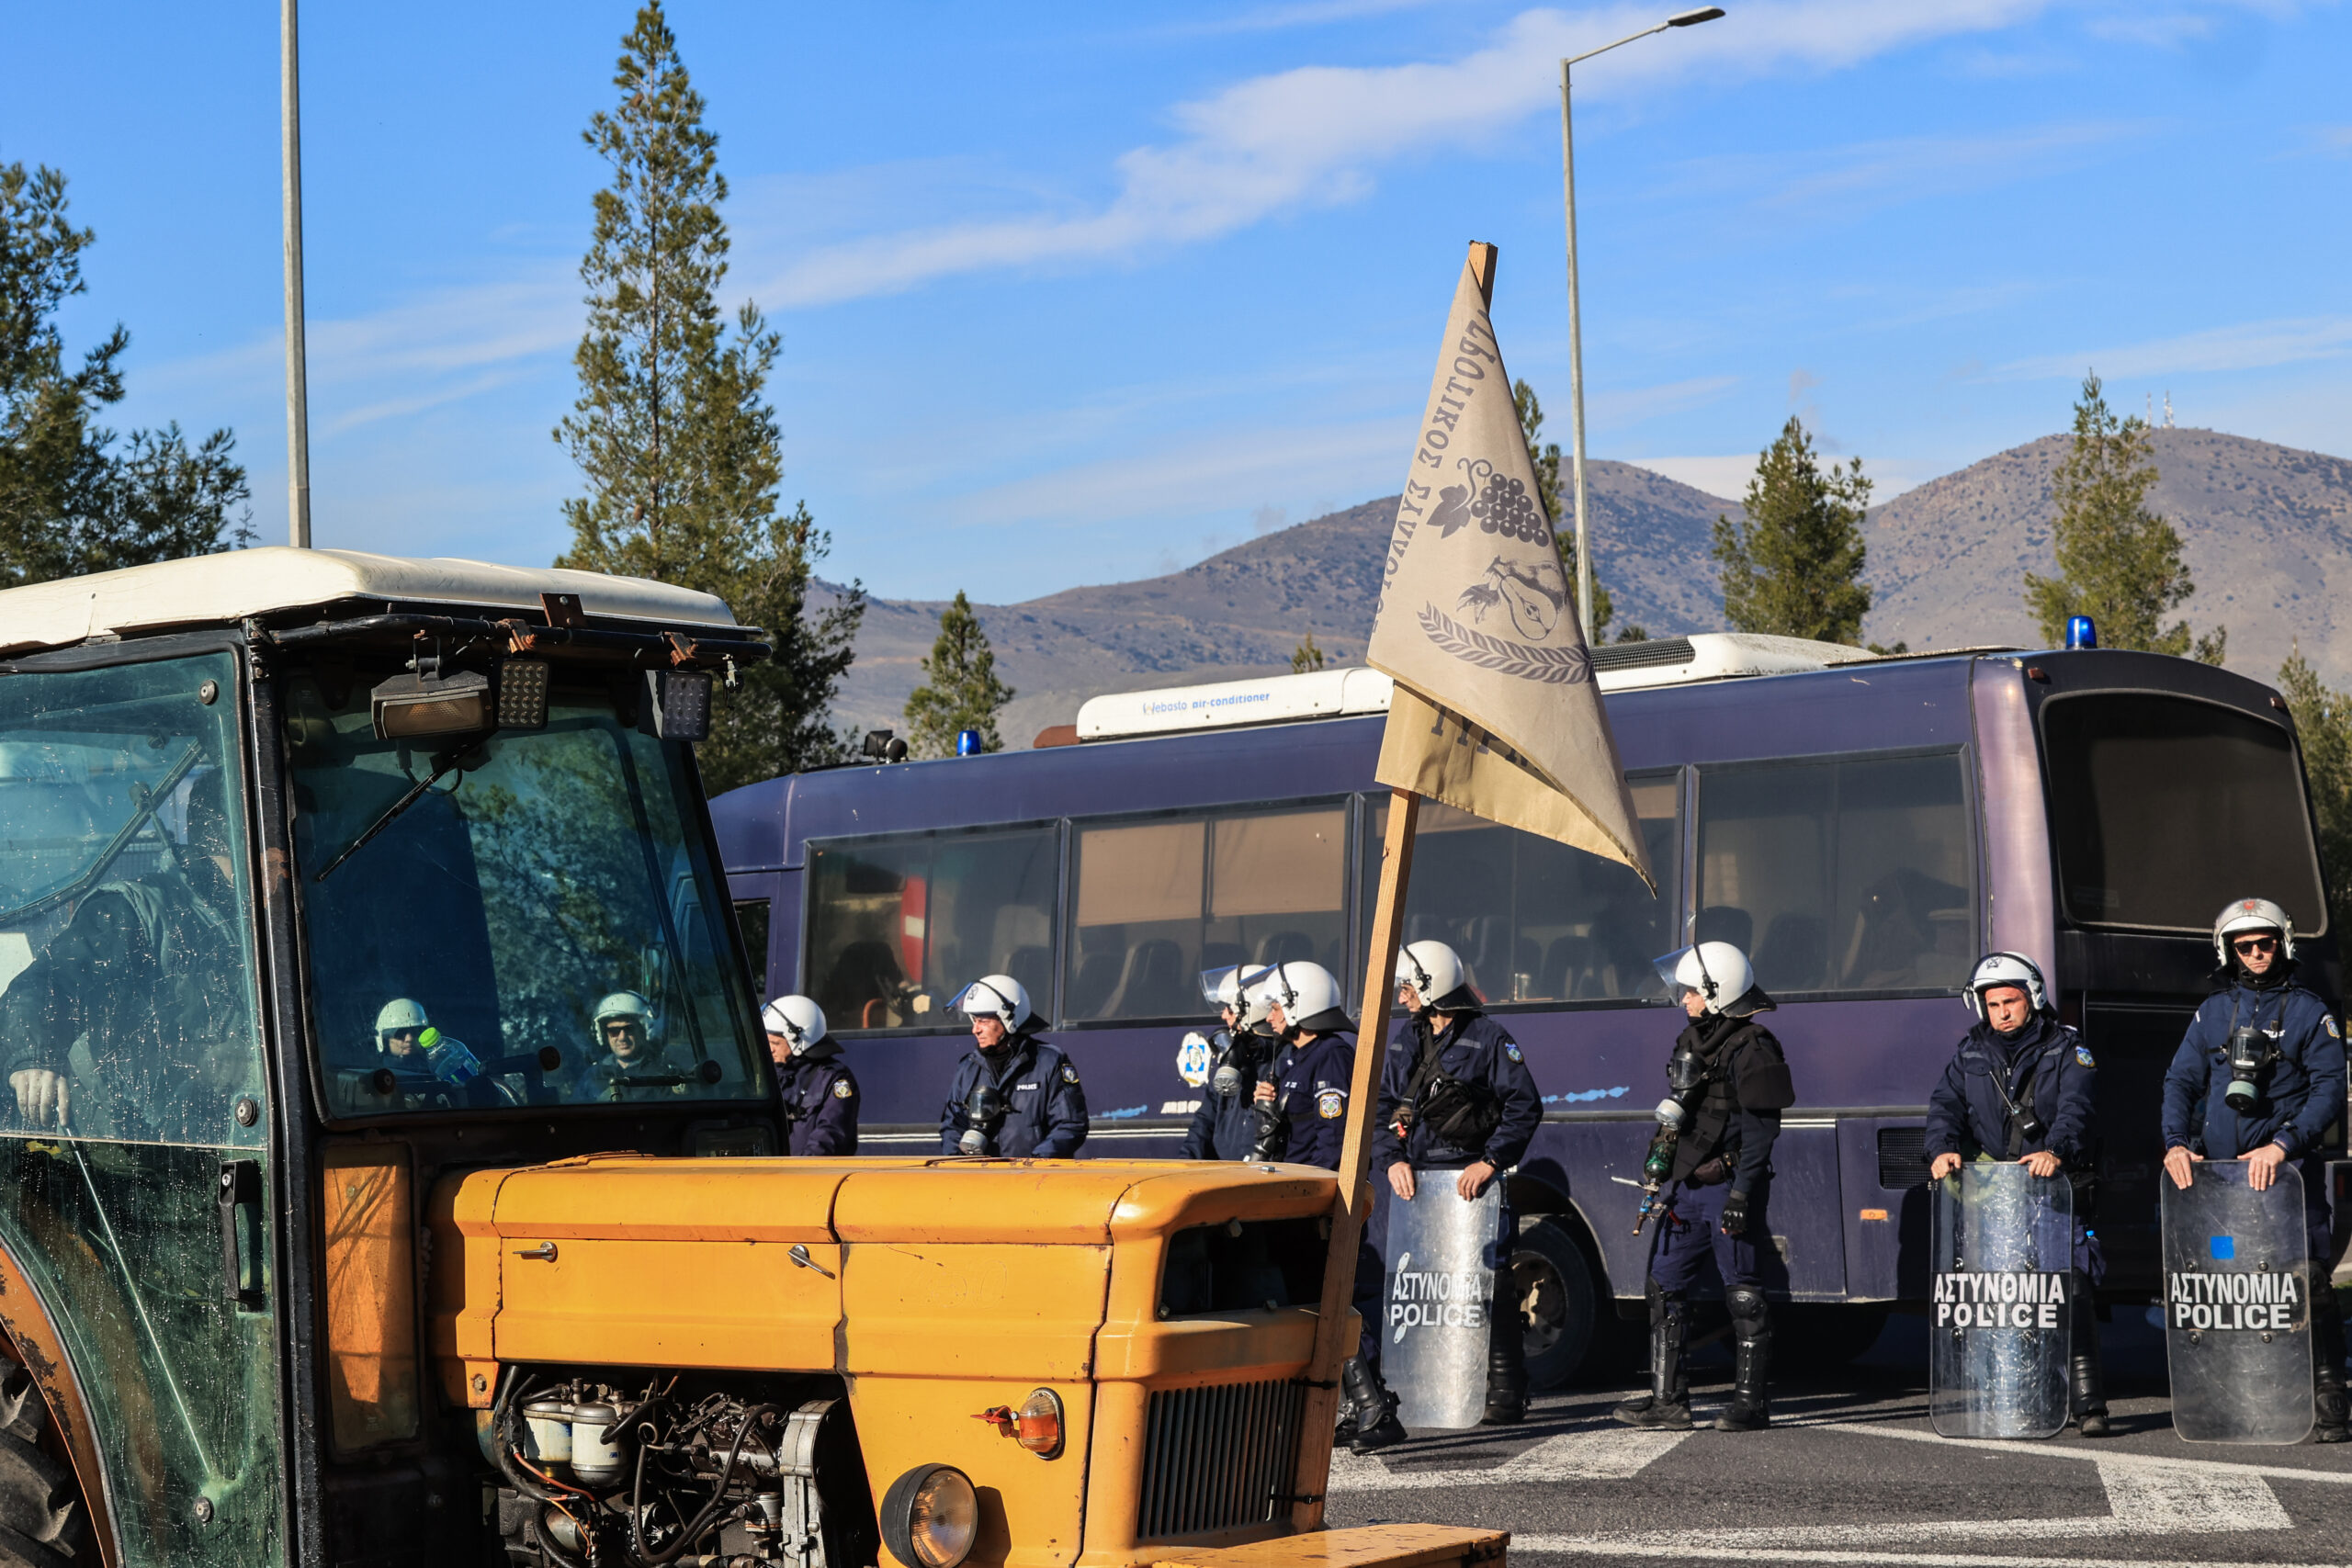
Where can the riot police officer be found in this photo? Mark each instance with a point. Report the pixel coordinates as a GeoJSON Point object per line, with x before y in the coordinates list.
{"type": "Point", "coordinates": [1013, 1095]}
{"type": "Point", "coordinates": [2265, 1056]}
{"type": "Point", "coordinates": [1728, 1084]}
{"type": "Point", "coordinates": [1303, 1117]}
{"type": "Point", "coordinates": [2020, 1088]}
{"type": "Point", "coordinates": [1456, 1095]}
{"type": "Point", "coordinates": [630, 1067]}
{"type": "Point", "coordinates": [1225, 1125]}
{"type": "Point", "coordinates": [819, 1091]}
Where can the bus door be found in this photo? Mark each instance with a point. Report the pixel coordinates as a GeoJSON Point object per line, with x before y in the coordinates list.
{"type": "Point", "coordinates": [134, 1121]}
{"type": "Point", "coordinates": [2134, 1043]}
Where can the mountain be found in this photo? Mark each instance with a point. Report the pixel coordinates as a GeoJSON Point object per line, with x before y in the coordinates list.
{"type": "Point", "coordinates": [2267, 531]}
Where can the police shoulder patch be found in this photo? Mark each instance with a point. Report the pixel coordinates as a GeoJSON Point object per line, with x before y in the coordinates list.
{"type": "Point", "coordinates": [842, 1088]}
{"type": "Point", "coordinates": [1510, 1049]}
{"type": "Point", "coordinates": [2334, 1032]}
{"type": "Point", "coordinates": [1331, 1104]}
{"type": "Point", "coordinates": [1069, 1074]}
{"type": "Point", "coordinates": [2083, 1054]}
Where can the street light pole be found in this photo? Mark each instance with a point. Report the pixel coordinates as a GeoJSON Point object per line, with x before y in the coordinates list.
{"type": "Point", "coordinates": [298, 393]}
{"type": "Point", "coordinates": [1575, 315]}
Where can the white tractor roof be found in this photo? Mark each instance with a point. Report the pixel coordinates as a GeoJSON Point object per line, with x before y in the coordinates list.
{"type": "Point", "coordinates": [222, 590]}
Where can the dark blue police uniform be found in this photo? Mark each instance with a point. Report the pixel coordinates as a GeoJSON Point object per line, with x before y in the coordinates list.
{"type": "Point", "coordinates": [2302, 1092]}
{"type": "Point", "coordinates": [1046, 1114]}
{"type": "Point", "coordinates": [819, 1103]}
{"type": "Point", "coordinates": [1223, 1126]}
{"type": "Point", "coordinates": [1311, 1087]}
{"type": "Point", "coordinates": [1727, 1149]}
{"type": "Point", "coordinates": [2047, 1069]}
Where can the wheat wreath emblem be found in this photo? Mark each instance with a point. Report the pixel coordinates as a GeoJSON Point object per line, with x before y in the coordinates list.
{"type": "Point", "coordinates": [1555, 666]}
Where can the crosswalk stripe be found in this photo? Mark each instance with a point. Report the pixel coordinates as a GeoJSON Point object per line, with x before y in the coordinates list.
{"type": "Point", "coordinates": [1617, 1453]}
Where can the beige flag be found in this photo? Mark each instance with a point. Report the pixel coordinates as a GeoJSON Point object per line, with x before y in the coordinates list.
{"type": "Point", "coordinates": [1496, 711]}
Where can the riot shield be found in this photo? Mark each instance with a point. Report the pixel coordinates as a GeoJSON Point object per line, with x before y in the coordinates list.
{"type": "Point", "coordinates": [2237, 1306]}
{"type": "Point", "coordinates": [2001, 1303]}
{"type": "Point", "coordinates": [1438, 1301]}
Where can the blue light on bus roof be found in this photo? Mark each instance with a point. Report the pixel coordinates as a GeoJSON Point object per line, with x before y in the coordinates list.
{"type": "Point", "coordinates": [2081, 632]}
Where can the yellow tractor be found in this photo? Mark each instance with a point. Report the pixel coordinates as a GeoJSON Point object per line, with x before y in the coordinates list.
{"type": "Point", "coordinates": [324, 879]}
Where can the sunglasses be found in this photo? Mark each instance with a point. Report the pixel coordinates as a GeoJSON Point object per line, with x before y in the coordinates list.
{"type": "Point", "coordinates": [2256, 944]}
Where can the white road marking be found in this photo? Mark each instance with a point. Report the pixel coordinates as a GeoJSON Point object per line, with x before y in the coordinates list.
{"type": "Point", "coordinates": [2052, 1450]}
{"type": "Point", "coordinates": [1607, 1455]}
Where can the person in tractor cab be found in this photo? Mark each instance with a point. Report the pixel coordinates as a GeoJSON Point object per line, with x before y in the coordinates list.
{"type": "Point", "coordinates": [623, 1028]}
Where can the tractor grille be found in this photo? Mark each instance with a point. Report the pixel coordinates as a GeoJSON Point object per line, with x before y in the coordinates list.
{"type": "Point", "coordinates": [1218, 1458]}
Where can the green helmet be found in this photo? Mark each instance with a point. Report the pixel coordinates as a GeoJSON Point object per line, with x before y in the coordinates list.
{"type": "Point", "coordinates": [399, 1016]}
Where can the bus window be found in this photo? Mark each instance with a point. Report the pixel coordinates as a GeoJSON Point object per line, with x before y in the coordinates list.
{"type": "Point", "coordinates": [1846, 876]}
{"type": "Point", "coordinates": [751, 920]}
{"type": "Point", "coordinates": [1157, 902]}
{"type": "Point", "coordinates": [2163, 809]}
{"type": "Point", "coordinates": [898, 926]}
{"type": "Point", "coordinates": [1536, 920]}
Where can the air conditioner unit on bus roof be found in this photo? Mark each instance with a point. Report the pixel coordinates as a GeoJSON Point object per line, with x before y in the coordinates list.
{"type": "Point", "coordinates": [1334, 694]}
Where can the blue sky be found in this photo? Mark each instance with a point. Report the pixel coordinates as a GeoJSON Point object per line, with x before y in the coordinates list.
{"type": "Point", "coordinates": [1079, 294]}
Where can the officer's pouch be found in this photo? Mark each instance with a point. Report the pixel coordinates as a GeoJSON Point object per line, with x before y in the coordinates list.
{"type": "Point", "coordinates": [1461, 1115]}
{"type": "Point", "coordinates": [1711, 1173]}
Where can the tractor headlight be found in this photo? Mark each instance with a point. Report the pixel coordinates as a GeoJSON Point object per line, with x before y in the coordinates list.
{"type": "Point", "coordinates": [929, 1517]}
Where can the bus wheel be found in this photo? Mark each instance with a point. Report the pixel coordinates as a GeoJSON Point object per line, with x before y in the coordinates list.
{"type": "Point", "coordinates": [42, 1521]}
{"type": "Point", "coordinates": [1550, 1287]}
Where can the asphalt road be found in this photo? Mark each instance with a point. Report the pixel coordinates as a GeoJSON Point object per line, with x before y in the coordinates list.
{"type": "Point", "coordinates": [1852, 1473]}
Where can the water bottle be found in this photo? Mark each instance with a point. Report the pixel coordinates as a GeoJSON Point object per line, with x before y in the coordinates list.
{"type": "Point", "coordinates": [448, 1058]}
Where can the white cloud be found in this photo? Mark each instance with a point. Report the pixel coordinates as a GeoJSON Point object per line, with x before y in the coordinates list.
{"type": "Point", "coordinates": [1315, 136]}
{"type": "Point", "coordinates": [2249, 345]}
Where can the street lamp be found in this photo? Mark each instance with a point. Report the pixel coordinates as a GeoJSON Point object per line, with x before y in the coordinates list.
{"type": "Point", "coordinates": [1576, 322]}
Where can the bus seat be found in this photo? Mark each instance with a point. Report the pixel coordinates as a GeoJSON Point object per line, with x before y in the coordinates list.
{"type": "Point", "coordinates": [1566, 964]}
{"type": "Point", "coordinates": [1104, 949]}
{"type": "Point", "coordinates": [1727, 922]}
{"type": "Point", "coordinates": [866, 974]}
{"type": "Point", "coordinates": [1158, 983]}
{"type": "Point", "coordinates": [1794, 954]}
{"type": "Point", "coordinates": [1222, 955]}
{"type": "Point", "coordinates": [1034, 967]}
{"type": "Point", "coordinates": [1287, 947]}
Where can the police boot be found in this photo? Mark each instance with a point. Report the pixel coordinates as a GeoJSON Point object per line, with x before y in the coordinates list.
{"type": "Point", "coordinates": [1506, 1373]}
{"type": "Point", "coordinates": [1751, 1327]}
{"type": "Point", "coordinates": [2327, 1362]}
{"type": "Point", "coordinates": [1376, 1426]}
{"type": "Point", "coordinates": [2089, 1395]}
{"type": "Point", "coordinates": [1668, 1404]}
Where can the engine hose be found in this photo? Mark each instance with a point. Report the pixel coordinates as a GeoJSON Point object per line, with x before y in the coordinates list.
{"type": "Point", "coordinates": [502, 1444]}
{"type": "Point", "coordinates": [704, 1518]}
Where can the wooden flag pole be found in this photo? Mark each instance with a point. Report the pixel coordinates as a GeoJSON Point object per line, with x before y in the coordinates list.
{"type": "Point", "coordinates": [1363, 1092]}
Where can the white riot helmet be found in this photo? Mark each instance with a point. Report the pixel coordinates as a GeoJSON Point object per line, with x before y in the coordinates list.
{"type": "Point", "coordinates": [1997, 969]}
{"type": "Point", "coordinates": [1310, 998]}
{"type": "Point", "coordinates": [1255, 998]}
{"type": "Point", "coordinates": [999, 996]}
{"type": "Point", "coordinates": [798, 1019]}
{"type": "Point", "coordinates": [624, 1005]}
{"type": "Point", "coordinates": [1435, 971]}
{"type": "Point", "coordinates": [1226, 988]}
{"type": "Point", "coordinates": [1718, 972]}
{"type": "Point", "coordinates": [400, 1015]}
{"type": "Point", "coordinates": [2252, 915]}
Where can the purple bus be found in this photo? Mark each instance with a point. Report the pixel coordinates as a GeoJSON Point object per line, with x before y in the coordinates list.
{"type": "Point", "coordinates": [1864, 828]}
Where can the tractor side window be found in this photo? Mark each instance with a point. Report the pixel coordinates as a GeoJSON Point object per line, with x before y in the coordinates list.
{"type": "Point", "coordinates": [127, 993]}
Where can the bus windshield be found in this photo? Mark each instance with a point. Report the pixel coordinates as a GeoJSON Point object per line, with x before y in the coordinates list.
{"type": "Point", "coordinates": [537, 926]}
{"type": "Point", "coordinates": [2164, 808]}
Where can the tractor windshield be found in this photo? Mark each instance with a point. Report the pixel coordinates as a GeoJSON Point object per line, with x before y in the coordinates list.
{"type": "Point", "coordinates": [525, 918]}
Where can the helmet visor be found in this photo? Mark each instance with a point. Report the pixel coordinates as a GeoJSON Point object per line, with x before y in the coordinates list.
{"type": "Point", "coordinates": [979, 999]}
{"type": "Point", "coordinates": [1672, 988]}
{"type": "Point", "coordinates": [1240, 977]}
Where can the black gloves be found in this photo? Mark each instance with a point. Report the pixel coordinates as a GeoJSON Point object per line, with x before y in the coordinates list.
{"type": "Point", "coordinates": [1736, 1213]}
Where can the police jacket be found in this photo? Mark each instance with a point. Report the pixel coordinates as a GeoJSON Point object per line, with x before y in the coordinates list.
{"type": "Point", "coordinates": [1046, 1118]}
{"type": "Point", "coordinates": [2302, 1090]}
{"type": "Point", "coordinates": [1479, 1052]}
{"type": "Point", "coordinates": [1223, 1127]}
{"type": "Point", "coordinates": [1311, 1084]}
{"type": "Point", "coordinates": [1738, 1115]}
{"type": "Point", "coordinates": [650, 1076]}
{"type": "Point", "coordinates": [2046, 1071]}
{"type": "Point", "coordinates": [820, 1102]}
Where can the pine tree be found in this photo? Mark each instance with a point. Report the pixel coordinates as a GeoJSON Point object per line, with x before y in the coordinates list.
{"type": "Point", "coordinates": [1306, 657]}
{"type": "Point", "coordinates": [2323, 729]}
{"type": "Point", "coordinates": [68, 502]}
{"type": "Point", "coordinates": [1793, 567]}
{"type": "Point", "coordinates": [1545, 455]}
{"type": "Point", "coordinates": [2118, 562]}
{"type": "Point", "coordinates": [671, 431]}
{"type": "Point", "coordinates": [960, 690]}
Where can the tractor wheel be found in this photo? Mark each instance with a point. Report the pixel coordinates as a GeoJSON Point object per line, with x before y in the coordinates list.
{"type": "Point", "coordinates": [42, 1521]}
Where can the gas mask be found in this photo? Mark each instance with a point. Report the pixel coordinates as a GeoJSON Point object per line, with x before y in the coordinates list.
{"type": "Point", "coordinates": [984, 1111]}
{"type": "Point", "coordinates": [1685, 1080]}
{"type": "Point", "coordinates": [2251, 1051]}
{"type": "Point", "coordinates": [1238, 1059]}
